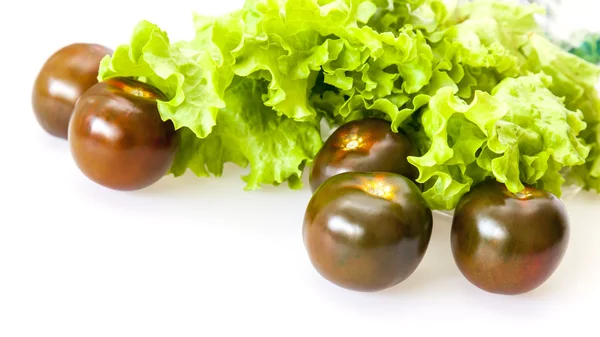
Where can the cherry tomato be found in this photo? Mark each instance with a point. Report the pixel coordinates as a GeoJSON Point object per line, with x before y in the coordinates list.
{"type": "Point", "coordinates": [367, 145]}
{"type": "Point", "coordinates": [509, 243]}
{"type": "Point", "coordinates": [64, 77]}
{"type": "Point", "coordinates": [367, 231]}
{"type": "Point", "coordinates": [117, 137]}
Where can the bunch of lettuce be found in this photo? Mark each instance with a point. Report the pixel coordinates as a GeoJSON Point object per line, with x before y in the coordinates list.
{"type": "Point", "coordinates": [478, 88]}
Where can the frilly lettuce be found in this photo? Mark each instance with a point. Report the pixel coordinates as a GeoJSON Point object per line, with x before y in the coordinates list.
{"type": "Point", "coordinates": [520, 133]}
{"type": "Point", "coordinates": [576, 80]}
{"type": "Point", "coordinates": [250, 133]}
{"type": "Point", "coordinates": [539, 102]}
{"type": "Point", "coordinates": [475, 85]}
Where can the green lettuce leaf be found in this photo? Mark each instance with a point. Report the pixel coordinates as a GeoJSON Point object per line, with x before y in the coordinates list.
{"type": "Point", "coordinates": [291, 44]}
{"type": "Point", "coordinates": [248, 133]}
{"type": "Point", "coordinates": [488, 49]}
{"type": "Point", "coordinates": [520, 133]}
{"type": "Point", "coordinates": [576, 80]}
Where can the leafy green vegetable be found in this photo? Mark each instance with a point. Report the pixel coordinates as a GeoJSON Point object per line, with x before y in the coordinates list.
{"type": "Point", "coordinates": [248, 132]}
{"type": "Point", "coordinates": [543, 125]}
{"type": "Point", "coordinates": [576, 80]}
{"type": "Point", "coordinates": [476, 86]}
{"type": "Point", "coordinates": [520, 133]}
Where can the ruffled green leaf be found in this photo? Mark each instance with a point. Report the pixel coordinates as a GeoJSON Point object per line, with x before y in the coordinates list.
{"type": "Point", "coordinates": [248, 133]}
{"type": "Point", "coordinates": [519, 134]}
{"type": "Point", "coordinates": [576, 81]}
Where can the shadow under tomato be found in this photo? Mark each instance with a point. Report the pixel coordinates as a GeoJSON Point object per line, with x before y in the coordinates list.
{"type": "Point", "coordinates": [437, 265]}
{"type": "Point", "coordinates": [54, 147]}
{"type": "Point", "coordinates": [189, 182]}
{"type": "Point", "coordinates": [231, 180]}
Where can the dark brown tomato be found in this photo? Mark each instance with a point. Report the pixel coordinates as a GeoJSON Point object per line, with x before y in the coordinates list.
{"type": "Point", "coordinates": [509, 243]}
{"type": "Point", "coordinates": [367, 145]}
{"type": "Point", "coordinates": [63, 78]}
{"type": "Point", "coordinates": [117, 137]}
{"type": "Point", "coordinates": [367, 231]}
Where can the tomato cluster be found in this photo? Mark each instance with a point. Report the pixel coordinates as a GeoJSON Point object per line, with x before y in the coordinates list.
{"type": "Point", "coordinates": [367, 226]}
{"type": "Point", "coordinates": [115, 133]}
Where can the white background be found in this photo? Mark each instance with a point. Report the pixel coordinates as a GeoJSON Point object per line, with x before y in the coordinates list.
{"type": "Point", "coordinates": [201, 257]}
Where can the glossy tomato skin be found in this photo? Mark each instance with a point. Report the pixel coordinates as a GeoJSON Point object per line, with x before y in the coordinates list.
{"type": "Point", "coordinates": [117, 137]}
{"type": "Point", "coordinates": [367, 145]}
{"type": "Point", "coordinates": [367, 231]}
{"type": "Point", "coordinates": [63, 78]}
{"type": "Point", "coordinates": [507, 243]}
